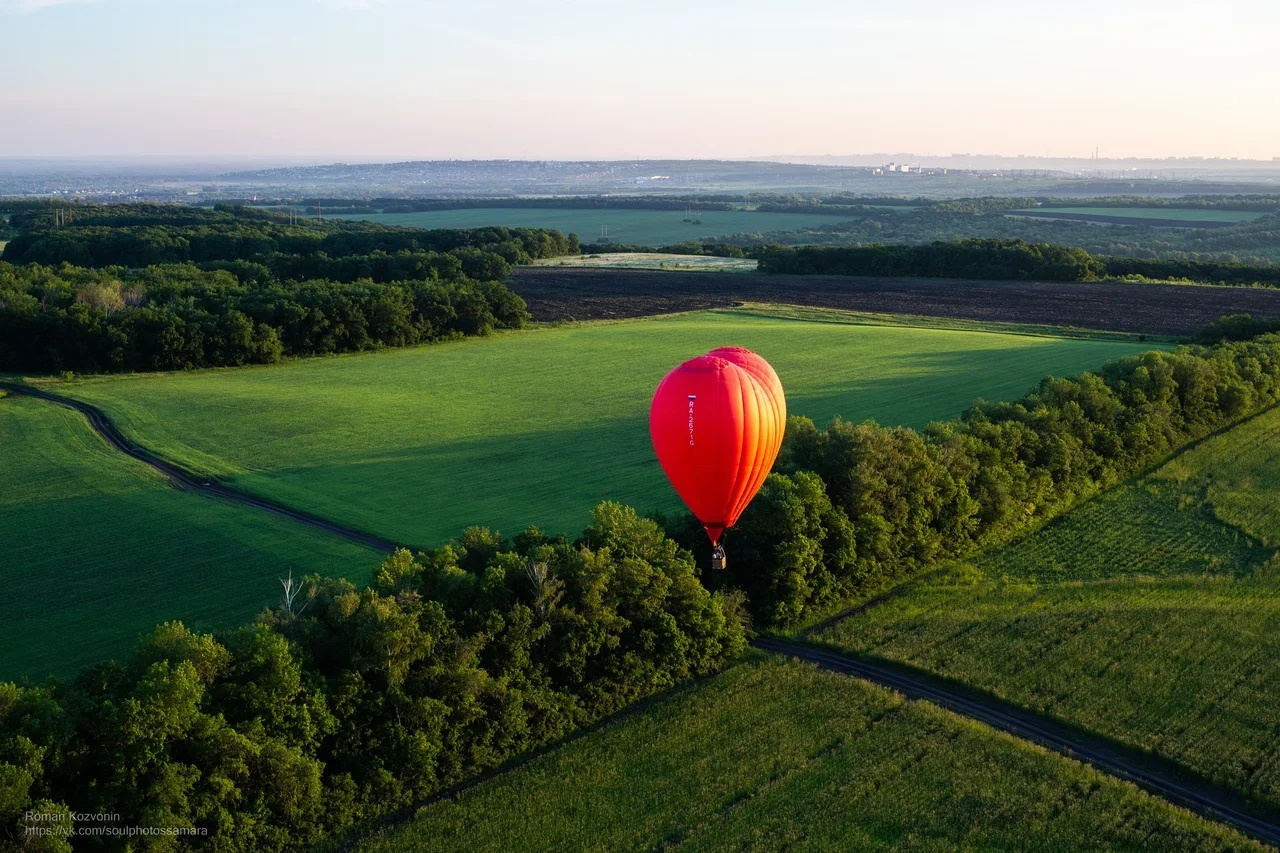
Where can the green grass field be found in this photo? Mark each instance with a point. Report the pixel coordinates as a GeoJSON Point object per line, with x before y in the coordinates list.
{"type": "Point", "coordinates": [775, 755]}
{"type": "Point", "coordinates": [629, 227]}
{"type": "Point", "coordinates": [652, 261]}
{"type": "Point", "coordinates": [98, 548]}
{"type": "Point", "coordinates": [1141, 615]}
{"type": "Point", "coordinates": [1178, 213]}
{"type": "Point", "coordinates": [537, 427]}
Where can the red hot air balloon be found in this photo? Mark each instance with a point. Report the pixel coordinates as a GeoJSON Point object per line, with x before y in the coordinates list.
{"type": "Point", "coordinates": [717, 431]}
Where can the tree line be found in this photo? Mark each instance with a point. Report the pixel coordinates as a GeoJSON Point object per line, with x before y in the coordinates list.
{"type": "Point", "coordinates": [975, 258]}
{"type": "Point", "coordinates": [342, 705]}
{"type": "Point", "coordinates": [161, 287]}
{"type": "Point", "coordinates": [145, 235]}
{"type": "Point", "coordinates": [989, 258]}
{"type": "Point", "coordinates": [178, 317]}
{"type": "Point", "coordinates": [1260, 202]}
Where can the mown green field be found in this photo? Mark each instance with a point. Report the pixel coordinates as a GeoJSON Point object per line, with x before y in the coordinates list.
{"type": "Point", "coordinates": [537, 427]}
{"type": "Point", "coordinates": [1150, 614]}
{"type": "Point", "coordinates": [775, 755]}
{"type": "Point", "coordinates": [629, 227]}
{"type": "Point", "coordinates": [1179, 213]}
{"type": "Point", "coordinates": [652, 261]}
{"type": "Point", "coordinates": [98, 548]}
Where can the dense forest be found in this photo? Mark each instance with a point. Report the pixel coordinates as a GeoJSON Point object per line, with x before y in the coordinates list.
{"type": "Point", "coordinates": [142, 235]}
{"type": "Point", "coordinates": [154, 287]}
{"type": "Point", "coordinates": [1002, 259]}
{"type": "Point", "coordinates": [176, 317]}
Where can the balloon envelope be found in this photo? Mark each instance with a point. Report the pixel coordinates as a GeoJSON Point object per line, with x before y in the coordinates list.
{"type": "Point", "coordinates": [716, 432]}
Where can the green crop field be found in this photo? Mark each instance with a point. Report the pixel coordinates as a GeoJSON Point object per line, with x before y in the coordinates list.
{"type": "Point", "coordinates": [537, 427]}
{"type": "Point", "coordinates": [1178, 213]}
{"type": "Point", "coordinates": [1240, 476]}
{"type": "Point", "coordinates": [776, 755]}
{"type": "Point", "coordinates": [97, 548]}
{"type": "Point", "coordinates": [629, 227]}
{"type": "Point", "coordinates": [1150, 614]}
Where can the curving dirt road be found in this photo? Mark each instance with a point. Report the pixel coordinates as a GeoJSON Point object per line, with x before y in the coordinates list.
{"type": "Point", "coordinates": [1158, 776]}
{"type": "Point", "coordinates": [1155, 775]}
{"type": "Point", "coordinates": [189, 480]}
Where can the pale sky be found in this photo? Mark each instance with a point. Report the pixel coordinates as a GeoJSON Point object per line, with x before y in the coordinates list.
{"type": "Point", "coordinates": [395, 79]}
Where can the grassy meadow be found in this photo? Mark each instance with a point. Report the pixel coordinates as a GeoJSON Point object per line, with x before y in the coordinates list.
{"type": "Point", "coordinates": [777, 755]}
{"type": "Point", "coordinates": [651, 261]}
{"type": "Point", "coordinates": [537, 427]}
{"type": "Point", "coordinates": [629, 227]}
{"type": "Point", "coordinates": [99, 547]}
{"type": "Point", "coordinates": [1150, 614]}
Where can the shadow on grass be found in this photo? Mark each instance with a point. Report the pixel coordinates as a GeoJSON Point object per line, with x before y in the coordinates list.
{"type": "Point", "coordinates": [427, 493]}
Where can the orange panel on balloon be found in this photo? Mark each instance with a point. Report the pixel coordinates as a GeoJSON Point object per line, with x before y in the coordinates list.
{"type": "Point", "coordinates": [764, 374]}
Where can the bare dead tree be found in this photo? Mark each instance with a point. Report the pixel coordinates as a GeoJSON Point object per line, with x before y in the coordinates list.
{"type": "Point", "coordinates": [547, 589]}
{"type": "Point", "coordinates": [291, 590]}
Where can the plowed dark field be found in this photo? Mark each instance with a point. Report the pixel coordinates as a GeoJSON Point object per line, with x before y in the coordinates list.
{"type": "Point", "coordinates": [1160, 309]}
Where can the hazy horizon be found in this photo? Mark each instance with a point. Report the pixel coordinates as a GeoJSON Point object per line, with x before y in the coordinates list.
{"type": "Point", "coordinates": [392, 80]}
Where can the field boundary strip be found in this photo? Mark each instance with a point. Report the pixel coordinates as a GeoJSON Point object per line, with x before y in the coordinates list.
{"type": "Point", "coordinates": [1155, 775]}
{"type": "Point", "coordinates": [191, 481]}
